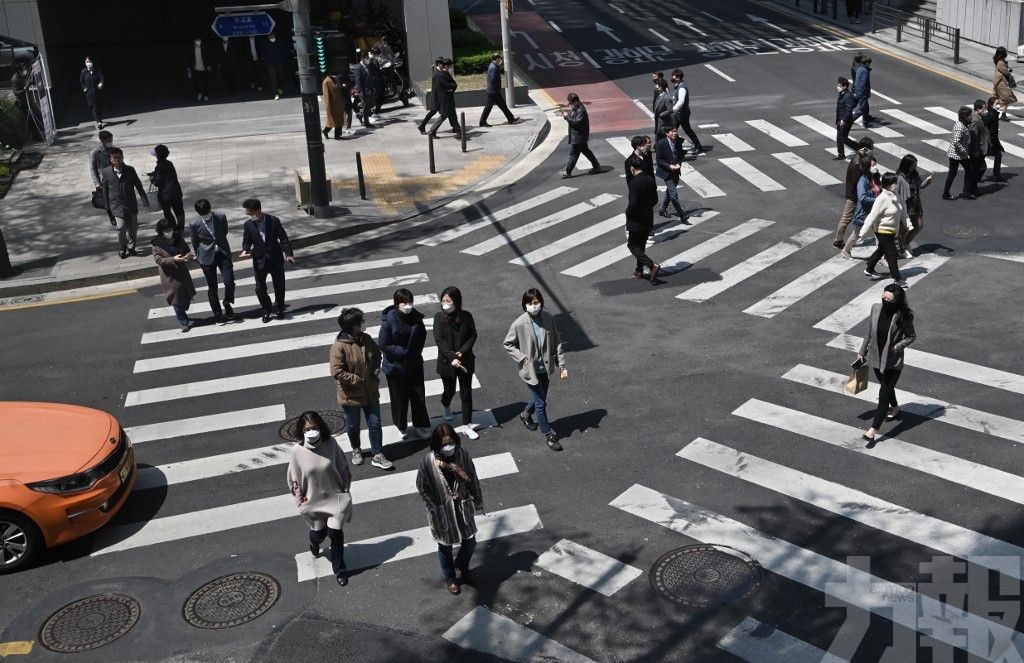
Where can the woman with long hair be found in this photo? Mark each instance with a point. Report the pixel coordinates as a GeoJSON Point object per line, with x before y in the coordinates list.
{"type": "Point", "coordinates": [868, 188]}
{"type": "Point", "coordinates": [888, 214]}
{"type": "Point", "coordinates": [455, 336]}
{"type": "Point", "coordinates": [1002, 81]}
{"type": "Point", "coordinates": [995, 148]}
{"type": "Point", "coordinates": [890, 330]}
{"type": "Point", "coordinates": [908, 187]}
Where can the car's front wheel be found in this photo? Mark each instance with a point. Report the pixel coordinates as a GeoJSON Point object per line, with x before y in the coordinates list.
{"type": "Point", "coordinates": [20, 542]}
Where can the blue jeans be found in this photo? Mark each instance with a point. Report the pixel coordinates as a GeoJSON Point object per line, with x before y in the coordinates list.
{"type": "Point", "coordinates": [180, 313]}
{"type": "Point", "coordinates": [538, 402]}
{"type": "Point", "coordinates": [461, 561]}
{"type": "Point", "coordinates": [372, 411]}
{"type": "Point", "coordinates": [672, 196]}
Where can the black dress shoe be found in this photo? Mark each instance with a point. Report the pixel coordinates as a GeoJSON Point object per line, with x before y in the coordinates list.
{"type": "Point", "coordinates": [946, 196]}
{"type": "Point", "coordinates": [664, 213]}
{"type": "Point", "coordinates": [280, 314]}
{"type": "Point", "coordinates": [654, 271]}
{"type": "Point", "coordinates": [266, 318]}
{"type": "Point", "coordinates": [527, 421]}
{"type": "Point", "coordinates": [552, 440]}
{"type": "Point", "coordinates": [314, 550]}
{"type": "Point", "coordinates": [840, 157]}
{"type": "Point", "coordinates": [484, 124]}
{"type": "Point", "coordinates": [342, 578]}
{"type": "Point", "coordinates": [122, 254]}
{"type": "Point", "coordinates": [422, 128]}
{"type": "Point", "coordinates": [327, 131]}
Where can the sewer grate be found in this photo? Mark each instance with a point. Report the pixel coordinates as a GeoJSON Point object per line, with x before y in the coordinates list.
{"type": "Point", "coordinates": [334, 419]}
{"type": "Point", "coordinates": [965, 231]}
{"type": "Point", "coordinates": [705, 576]}
{"type": "Point", "coordinates": [89, 623]}
{"type": "Point", "coordinates": [231, 600]}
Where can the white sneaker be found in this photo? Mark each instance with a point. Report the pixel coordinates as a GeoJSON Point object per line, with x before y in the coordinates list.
{"type": "Point", "coordinates": [424, 433]}
{"type": "Point", "coordinates": [907, 255]}
{"type": "Point", "coordinates": [447, 414]}
{"type": "Point", "coordinates": [468, 432]}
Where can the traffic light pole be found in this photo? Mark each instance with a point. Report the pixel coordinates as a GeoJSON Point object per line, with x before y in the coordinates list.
{"type": "Point", "coordinates": [506, 48]}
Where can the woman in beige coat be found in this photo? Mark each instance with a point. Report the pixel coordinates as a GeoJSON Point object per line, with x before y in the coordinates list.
{"type": "Point", "coordinates": [334, 107]}
{"type": "Point", "coordinates": [1001, 82]}
{"type": "Point", "coordinates": [171, 254]}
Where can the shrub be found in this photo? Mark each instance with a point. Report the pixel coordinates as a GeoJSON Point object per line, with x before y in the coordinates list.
{"type": "Point", "coordinates": [472, 64]}
{"type": "Point", "coordinates": [11, 132]}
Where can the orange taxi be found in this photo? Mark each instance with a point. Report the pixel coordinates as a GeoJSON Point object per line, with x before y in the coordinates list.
{"type": "Point", "coordinates": [65, 470]}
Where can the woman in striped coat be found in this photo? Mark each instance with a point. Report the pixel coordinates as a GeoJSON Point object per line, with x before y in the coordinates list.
{"type": "Point", "coordinates": [958, 153]}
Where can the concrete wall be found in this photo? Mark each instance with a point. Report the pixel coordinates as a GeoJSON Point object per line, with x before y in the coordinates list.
{"type": "Point", "coordinates": [20, 19]}
{"type": "Point", "coordinates": [992, 22]}
{"type": "Point", "coordinates": [428, 34]}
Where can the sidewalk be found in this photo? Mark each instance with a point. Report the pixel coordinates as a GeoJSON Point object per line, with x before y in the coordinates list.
{"type": "Point", "coordinates": [229, 152]}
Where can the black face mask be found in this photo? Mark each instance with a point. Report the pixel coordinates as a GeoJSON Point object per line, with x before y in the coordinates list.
{"type": "Point", "coordinates": [890, 307]}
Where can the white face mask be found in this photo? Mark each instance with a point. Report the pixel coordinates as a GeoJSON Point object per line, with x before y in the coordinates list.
{"type": "Point", "coordinates": [107, 144]}
{"type": "Point", "coordinates": [168, 235]}
{"type": "Point", "coordinates": [207, 217]}
{"type": "Point", "coordinates": [447, 308]}
{"type": "Point", "coordinates": [533, 309]}
{"type": "Point", "coordinates": [88, 65]}
{"type": "Point", "coordinates": [198, 42]}
{"type": "Point", "coordinates": [448, 450]}
{"type": "Point", "coordinates": [271, 39]}
{"type": "Point", "coordinates": [405, 309]}
{"type": "Point", "coordinates": [312, 437]}
{"type": "Point", "coordinates": [874, 169]}
{"type": "Point", "coordinates": [252, 217]}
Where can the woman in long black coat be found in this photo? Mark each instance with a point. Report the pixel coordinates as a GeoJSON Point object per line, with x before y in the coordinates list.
{"type": "Point", "coordinates": [455, 336]}
{"type": "Point", "coordinates": [168, 189]}
{"type": "Point", "coordinates": [91, 81]}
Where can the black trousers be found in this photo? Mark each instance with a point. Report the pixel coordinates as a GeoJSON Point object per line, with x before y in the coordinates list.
{"type": "Point", "coordinates": [431, 113]}
{"type": "Point", "coordinates": [683, 122]}
{"type": "Point", "coordinates": [954, 165]}
{"type": "Point", "coordinates": [276, 272]}
{"type": "Point", "coordinates": [575, 150]}
{"type": "Point", "coordinates": [365, 104]}
{"type": "Point", "coordinates": [96, 107]}
{"type": "Point", "coordinates": [406, 391]}
{"type": "Point", "coordinates": [886, 247]}
{"type": "Point", "coordinates": [452, 119]}
{"type": "Point", "coordinates": [842, 134]}
{"type": "Point", "coordinates": [977, 171]}
{"type": "Point", "coordinates": [201, 82]}
{"type": "Point", "coordinates": [499, 101]}
{"type": "Point", "coordinates": [465, 381]}
{"type": "Point", "coordinates": [886, 394]}
{"type": "Point", "coordinates": [636, 242]}
{"type": "Point", "coordinates": [227, 272]}
{"type": "Point", "coordinates": [178, 216]}
{"type": "Point", "coordinates": [337, 552]}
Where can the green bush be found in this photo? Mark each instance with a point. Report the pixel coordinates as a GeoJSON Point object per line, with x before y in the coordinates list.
{"type": "Point", "coordinates": [457, 19]}
{"type": "Point", "coordinates": [10, 123]}
{"type": "Point", "coordinates": [472, 64]}
{"type": "Point", "coordinates": [471, 51]}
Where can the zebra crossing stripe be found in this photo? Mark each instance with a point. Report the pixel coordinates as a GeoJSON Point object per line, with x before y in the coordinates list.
{"type": "Point", "coordinates": [881, 167]}
{"type": "Point", "coordinates": [814, 124]}
{"type": "Point", "coordinates": [742, 168]}
{"type": "Point", "coordinates": [778, 133]}
{"type": "Point", "coordinates": [945, 113]}
{"type": "Point", "coordinates": [900, 152]}
{"type": "Point", "coordinates": [733, 142]}
{"type": "Point", "coordinates": [806, 168]}
{"type": "Point", "coordinates": [854, 504]}
{"type": "Point", "coordinates": [496, 635]}
{"type": "Point", "coordinates": [496, 217]}
{"type": "Point", "coordinates": [573, 240]}
{"type": "Point", "coordinates": [670, 230]}
{"type": "Point", "coordinates": [411, 543]}
{"type": "Point", "coordinates": [757, 642]}
{"type": "Point", "coordinates": [801, 287]}
{"type": "Point", "coordinates": [332, 270]}
{"type": "Point", "coordinates": [846, 583]}
{"type": "Point", "coordinates": [923, 125]}
{"type": "Point", "coordinates": [589, 568]}
{"type": "Point", "coordinates": [250, 324]}
{"type": "Point", "coordinates": [708, 247]}
{"type": "Point", "coordinates": [950, 468]}
{"type": "Point", "coordinates": [509, 236]}
{"type": "Point", "coordinates": [884, 132]}
{"type": "Point", "coordinates": [1010, 148]}
{"type": "Point", "coordinates": [876, 93]}
{"type": "Point", "coordinates": [265, 510]}
{"type": "Point", "coordinates": [1011, 257]}
{"type": "Point", "coordinates": [753, 265]}
{"type": "Point", "coordinates": [701, 185]}
{"type": "Point", "coordinates": [306, 293]}
{"type": "Point", "coordinates": [206, 424]}
{"type": "Point", "coordinates": [856, 310]}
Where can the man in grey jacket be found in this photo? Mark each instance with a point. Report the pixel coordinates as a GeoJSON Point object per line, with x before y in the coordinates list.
{"type": "Point", "coordinates": [99, 158]}
{"type": "Point", "coordinates": [119, 183]}
{"type": "Point", "coordinates": [209, 233]}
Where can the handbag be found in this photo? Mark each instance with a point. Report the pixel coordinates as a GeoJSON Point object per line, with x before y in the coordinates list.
{"type": "Point", "coordinates": [858, 380]}
{"type": "Point", "coordinates": [97, 200]}
{"type": "Point", "coordinates": [1011, 81]}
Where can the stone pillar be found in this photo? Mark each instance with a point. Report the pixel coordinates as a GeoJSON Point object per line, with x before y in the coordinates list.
{"type": "Point", "coordinates": [428, 36]}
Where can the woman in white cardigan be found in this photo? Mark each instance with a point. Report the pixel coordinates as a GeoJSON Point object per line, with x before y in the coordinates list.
{"type": "Point", "coordinates": [887, 216]}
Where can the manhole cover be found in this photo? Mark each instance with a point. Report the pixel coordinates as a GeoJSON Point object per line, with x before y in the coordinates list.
{"type": "Point", "coordinates": [705, 576]}
{"type": "Point", "coordinates": [965, 231]}
{"type": "Point", "coordinates": [89, 623]}
{"type": "Point", "coordinates": [334, 420]}
{"type": "Point", "coordinates": [231, 600]}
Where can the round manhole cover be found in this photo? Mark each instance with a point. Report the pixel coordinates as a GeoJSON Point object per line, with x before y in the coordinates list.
{"type": "Point", "coordinates": [334, 420]}
{"type": "Point", "coordinates": [89, 623]}
{"type": "Point", "coordinates": [965, 231]}
{"type": "Point", "coordinates": [231, 600]}
{"type": "Point", "coordinates": [705, 576]}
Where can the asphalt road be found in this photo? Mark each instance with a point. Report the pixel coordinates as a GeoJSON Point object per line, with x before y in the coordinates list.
{"type": "Point", "coordinates": [729, 361]}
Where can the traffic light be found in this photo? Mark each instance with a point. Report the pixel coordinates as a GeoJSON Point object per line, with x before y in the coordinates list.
{"type": "Point", "coordinates": [320, 47]}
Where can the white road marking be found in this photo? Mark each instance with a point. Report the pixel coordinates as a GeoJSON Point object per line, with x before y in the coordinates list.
{"type": "Point", "coordinates": [1010, 148]}
{"type": "Point", "coordinates": [332, 270]}
{"type": "Point", "coordinates": [701, 185]}
{"type": "Point", "coordinates": [496, 635]}
{"type": "Point", "coordinates": [899, 152]}
{"type": "Point", "coordinates": [708, 247]}
{"type": "Point", "coordinates": [1012, 257]}
{"type": "Point", "coordinates": [591, 60]}
{"type": "Point", "coordinates": [814, 124]}
{"type": "Point", "coordinates": [733, 142]}
{"type": "Point", "coordinates": [658, 34]}
{"type": "Point", "coordinates": [571, 241]}
{"type": "Point", "coordinates": [555, 26]}
{"type": "Point", "coordinates": [206, 424]}
{"type": "Point", "coordinates": [642, 106]}
{"type": "Point", "coordinates": [876, 93]}
{"type": "Point", "coordinates": [586, 567]}
{"type": "Point", "coordinates": [720, 73]}
{"type": "Point", "coordinates": [806, 168]}
{"type": "Point", "coordinates": [713, 125]}
{"type": "Point", "coordinates": [801, 287]}
{"type": "Point", "coordinates": [751, 174]}
{"type": "Point", "coordinates": [944, 113]}
{"type": "Point", "coordinates": [617, 8]}
{"type": "Point", "coordinates": [712, 17]}
{"type": "Point", "coordinates": [756, 642]}
{"type": "Point", "coordinates": [500, 215]}
{"type": "Point", "coordinates": [923, 125]}
{"type": "Point", "coordinates": [778, 133]}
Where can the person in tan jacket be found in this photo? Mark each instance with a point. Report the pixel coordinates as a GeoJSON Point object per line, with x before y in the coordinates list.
{"type": "Point", "coordinates": [334, 108]}
{"type": "Point", "coordinates": [355, 366]}
{"type": "Point", "coordinates": [1001, 80]}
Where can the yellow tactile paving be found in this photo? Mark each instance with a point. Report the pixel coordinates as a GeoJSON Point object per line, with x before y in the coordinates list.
{"type": "Point", "coordinates": [15, 648]}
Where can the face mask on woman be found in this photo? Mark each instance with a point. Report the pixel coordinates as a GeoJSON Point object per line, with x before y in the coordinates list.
{"type": "Point", "coordinates": [447, 308]}
{"type": "Point", "coordinates": [405, 309]}
{"type": "Point", "coordinates": [311, 437]}
{"type": "Point", "coordinates": [533, 309]}
{"type": "Point", "coordinates": [448, 450]}
{"type": "Point", "coordinates": [168, 235]}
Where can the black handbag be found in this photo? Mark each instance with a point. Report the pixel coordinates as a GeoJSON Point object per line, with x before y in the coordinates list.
{"type": "Point", "coordinates": [97, 200]}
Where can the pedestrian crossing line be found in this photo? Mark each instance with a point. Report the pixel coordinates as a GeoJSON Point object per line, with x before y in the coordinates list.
{"type": "Point", "coordinates": [496, 635]}
{"type": "Point", "coordinates": [571, 241]}
{"type": "Point", "coordinates": [956, 470]}
{"type": "Point", "coordinates": [876, 93]}
{"type": "Point", "coordinates": [206, 424]}
{"type": "Point", "coordinates": [954, 368]}
{"type": "Point", "coordinates": [753, 265]}
{"type": "Point", "coordinates": [881, 166]}
{"type": "Point", "coordinates": [306, 293]}
{"type": "Point", "coordinates": [854, 504]}
{"type": "Point", "coordinates": [916, 122]}
{"type": "Point", "coordinates": [671, 230]}
{"type": "Point", "coordinates": [701, 185]}
{"type": "Point", "coordinates": [944, 113]}
{"type": "Point", "coordinates": [720, 73]}
{"type": "Point", "coordinates": [417, 542]}
{"type": "Point", "coordinates": [1012, 257]}
{"type": "Point", "coordinates": [249, 324]}
{"type": "Point", "coordinates": [742, 168]}
{"type": "Point", "coordinates": [922, 162]}
{"type": "Point", "coordinates": [259, 380]}
{"type": "Point", "coordinates": [1010, 148]}
{"type": "Point", "coordinates": [943, 146]}
{"type": "Point", "coordinates": [170, 474]}
{"type": "Point", "coordinates": [642, 106]}
{"type": "Point", "coordinates": [823, 574]}
{"type": "Point", "coordinates": [243, 514]}
{"type": "Point", "coordinates": [806, 168]}
{"type": "Point", "coordinates": [332, 270]}
{"type": "Point", "coordinates": [778, 133]}
{"type": "Point", "coordinates": [496, 217]}
{"type": "Point", "coordinates": [857, 310]}
{"type": "Point", "coordinates": [757, 642]}
{"type": "Point", "coordinates": [709, 247]}
{"type": "Point", "coordinates": [801, 287]}
{"type": "Point", "coordinates": [884, 132]}
{"type": "Point", "coordinates": [926, 407]}
{"type": "Point", "coordinates": [589, 568]}
{"type": "Point", "coordinates": [506, 237]}
{"type": "Point", "coordinates": [733, 142]}
{"type": "Point", "coordinates": [816, 125]}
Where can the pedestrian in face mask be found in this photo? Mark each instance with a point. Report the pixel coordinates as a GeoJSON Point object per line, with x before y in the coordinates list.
{"type": "Point", "coordinates": [890, 330]}
{"type": "Point", "coordinates": [535, 345]}
{"type": "Point", "coordinates": [888, 214]}
{"type": "Point", "coordinates": [319, 479]}
{"type": "Point", "coordinates": [868, 187]}
{"type": "Point", "coordinates": [448, 483]}
{"type": "Point", "coordinates": [401, 338]}
{"type": "Point", "coordinates": [171, 254]}
{"type": "Point", "coordinates": [455, 336]}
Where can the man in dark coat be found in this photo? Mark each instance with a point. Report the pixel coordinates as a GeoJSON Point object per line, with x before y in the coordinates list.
{"type": "Point", "coordinates": [668, 155]}
{"type": "Point", "coordinates": [119, 183]}
{"type": "Point", "coordinates": [91, 81]}
{"type": "Point", "coordinates": [446, 87]}
{"type": "Point", "coordinates": [643, 196]}
{"type": "Point", "coordinates": [274, 55]}
{"type": "Point", "coordinates": [432, 100]}
{"type": "Point", "coordinates": [579, 135]}
{"type": "Point", "coordinates": [641, 150]}
{"type": "Point", "coordinates": [862, 91]}
{"type": "Point", "coordinates": [377, 80]}
{"type": "Point", "coordinates": [844, 116]}
{"type": "Point", "coordinates": [200, 62]}
{"type": "Point", "coordinates": [495, 95]}
{"type": "Point", "coordinates": [168, 189]}
{"type": "Point", "coordinates": [655, 77]}
{"type": "Point", "coordinates": [663, 116]}
{"type": "Point", "coordinates": [209, 233]}
{"type": "Point", "coordinates": [364, 87]}
{"type": "Point", "coordinates": [99, 158]}
{"type": "Point", "coordinates": [265, 240]}
{"type": "Point", "coordinates": [230, 60]}
{"type": "Point", "coordinates": [978, 146]}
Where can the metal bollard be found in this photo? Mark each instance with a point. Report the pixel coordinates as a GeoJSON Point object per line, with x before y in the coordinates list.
{"type": "Point", "coordinates": [359, 174]}
{"type": "Point", "coordinates": [899, 31]}
{"type": "Point", "coordinates": [835, 9]}
{"type": "Point", "coordinates": [462, 116]}
{"type": "Point", "coordinates": [927, 32]}
{"type": "Point", "coordinates": [956, 45]}
{"type": "Point", "coordinates": [430, 151]}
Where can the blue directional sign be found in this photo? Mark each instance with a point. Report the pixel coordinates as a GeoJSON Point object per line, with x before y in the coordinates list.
{"type": "Point", "coordinates": [243, 25]}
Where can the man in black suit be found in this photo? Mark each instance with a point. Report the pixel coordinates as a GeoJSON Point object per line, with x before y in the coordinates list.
{"type": "Point", "coordinates": [209, 233]}
{"type": "Point", "coordinates": [364, 86]}
{"type": "Point", "coordinates": [432, 100]}
{"type": "Point", "coordinates": [579, 136]}
{"type": "Point", "coordinates": [264, 239]}
{"type": "Point", "coordinates": [641, 150]}
{"type": "Point", "coordinates": [663, 101]}
{"type": "Point", "coordinates": [643, 196]}
{"type": "Point", "coordinates": [446, 87]}
{"type": "Point", "coordinates": [377, 80]}
{"type": "Point", "coordinates": [495, 95]}
{"type": "Point", "coordinates": [119, 182]}
{"type": "Point", "coordinates": [844, 116]}
{"type": "Point", "coordinates": [668, 154]}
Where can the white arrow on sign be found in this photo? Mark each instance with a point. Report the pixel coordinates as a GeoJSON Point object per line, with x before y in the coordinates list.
{"type": "Point", "coordinates": [608, 31]}
{"type": "Point", "coordinates": [524, 35]}
{"type": "Point", "coordinates": [758, 19]}
{"type": "Point", "coordinates": [689, 24]}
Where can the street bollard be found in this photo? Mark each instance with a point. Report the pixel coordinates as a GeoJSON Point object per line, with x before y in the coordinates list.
{"type": "Point", "coordinates": [956, 45]}
{"type": "Point", "coordinates": [927, 33]}
{"type": "Point", "coordinates": [463, 132]}
{"type": "Point", "coordinates": [899, 31]}
{"type": "Point", "coordinates": [359, 174]}
{"type": "Point", "coordinates": [430, 151]}
{"type": "Point", "coordinates": [835, 9]}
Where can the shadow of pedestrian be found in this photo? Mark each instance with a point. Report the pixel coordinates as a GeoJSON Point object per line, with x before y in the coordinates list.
{"type": "Point", "coordinates": [579, 423]}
